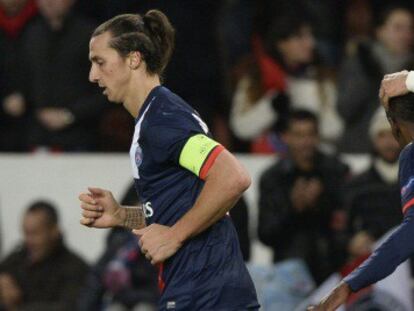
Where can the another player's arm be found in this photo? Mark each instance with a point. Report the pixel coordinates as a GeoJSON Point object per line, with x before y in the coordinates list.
{"type": "Point", "coordinates": [225, 181]}
{"type": "Point", "coordinates": [395, 250]}
{"type": "Point", "coordinates": [101, 210]}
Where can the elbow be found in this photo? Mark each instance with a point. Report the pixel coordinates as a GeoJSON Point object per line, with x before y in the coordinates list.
{"type": "Point", "coordinates": [244, 182]}
{"type": "Point", "coordinates": [240, 183]}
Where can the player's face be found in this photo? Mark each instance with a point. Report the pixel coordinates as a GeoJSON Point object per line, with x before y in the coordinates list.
{"type": "Point", "coordinates": [298, 49]}
{"type": "Point", "coordinates": [397, 33]}
{"type": "Point", "coordinates": [386, 146]}
{"type": "Point", "coordinates": [108, 69]}
{"type": "Point", "coordinates": [39, 236]}
{"type": "Point", "coordinates": [302, 139]}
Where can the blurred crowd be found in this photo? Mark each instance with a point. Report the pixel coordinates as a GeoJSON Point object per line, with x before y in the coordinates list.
{"type": "Point", "coordinates": [296, 78]}
{"type": "Point", "coordinates": [248, 65]}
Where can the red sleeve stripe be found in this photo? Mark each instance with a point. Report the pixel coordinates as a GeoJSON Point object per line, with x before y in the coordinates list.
{"type": "Point", "coordinates": [161, 284]}
{"type": "Point", "coordinates": [208, 163]}
{"type": "Point", "coordinates": [408, 205]}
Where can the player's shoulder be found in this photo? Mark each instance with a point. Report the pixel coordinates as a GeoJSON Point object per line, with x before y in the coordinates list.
{"type": "Point", "coordinates": [169, 109]}
{"type": "Point", "coordinates": [407, 153]}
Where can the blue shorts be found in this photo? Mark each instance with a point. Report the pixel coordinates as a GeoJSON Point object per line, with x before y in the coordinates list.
{"type": "Point", "coordinates": [209, 273]}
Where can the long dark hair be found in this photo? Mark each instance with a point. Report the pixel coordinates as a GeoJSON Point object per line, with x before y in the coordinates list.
{"type": "Point", "coordinates": [151, 34]}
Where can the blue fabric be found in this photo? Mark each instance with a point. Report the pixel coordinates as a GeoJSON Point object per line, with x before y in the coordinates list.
{"type": "Point", "coordinates": [208, 272]}
{"type": "Point", "coordinates": [406, 176]}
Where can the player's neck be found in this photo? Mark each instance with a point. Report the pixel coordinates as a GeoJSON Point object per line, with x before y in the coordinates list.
{"type": "Point", "coordinates": [139, 90]}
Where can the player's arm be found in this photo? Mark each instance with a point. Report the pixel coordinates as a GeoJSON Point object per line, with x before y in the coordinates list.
{"type": "Point", "coordinates": [396, 249]}
{"type": "Point", "coordinates": [101, 210]}
{"type": "Point", "coordinates": [225, 181]}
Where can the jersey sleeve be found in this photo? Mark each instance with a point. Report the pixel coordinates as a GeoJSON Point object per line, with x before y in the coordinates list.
{"type": "Point", "coordinates": [183, 139]}
{"type": "Point", "coordinates": [406, 177]}
{"type": "Point", "coordinates": [397, 248]}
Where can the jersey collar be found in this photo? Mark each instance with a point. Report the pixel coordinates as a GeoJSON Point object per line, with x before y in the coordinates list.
{"type": "Point", "coordinates": [147, 101]}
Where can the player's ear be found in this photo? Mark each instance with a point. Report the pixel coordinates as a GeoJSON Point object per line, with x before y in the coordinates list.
{"type": "Point", "coordinates": [396, 130]}
{"type": "Point", "coordinates": [134, 60]}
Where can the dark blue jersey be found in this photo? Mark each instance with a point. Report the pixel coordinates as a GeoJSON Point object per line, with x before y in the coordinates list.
{"type": "Point", "coordinates": [208, 272]}
{"type": "Point", "coordinates": [406, 176]}
{"type": "Point", "coordinates": [400, 245]}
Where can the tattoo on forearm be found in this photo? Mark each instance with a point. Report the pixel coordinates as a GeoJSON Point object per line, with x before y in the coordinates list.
{"type": "Point", "coordinates": [135, 218]}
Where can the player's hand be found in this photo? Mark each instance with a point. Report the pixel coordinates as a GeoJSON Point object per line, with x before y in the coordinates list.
{"type": "Point", "coordinates": [157, 243]}
{"type": "Point", "coordinates": [100, 209]}
{"type": "Point", "coordinates": [336, 297]}
{"type": "Point", "coordinates": [393, 85]}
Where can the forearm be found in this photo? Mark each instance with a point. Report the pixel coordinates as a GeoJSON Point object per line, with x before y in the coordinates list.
{"type": "Point", "coordinates": [396, 249]}
{"type": "Point", "coordinates": [224, 185]}
{"type": "Point", "coordinates": [132, 217]}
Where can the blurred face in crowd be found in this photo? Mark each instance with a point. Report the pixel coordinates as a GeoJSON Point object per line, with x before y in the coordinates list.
{"type": "Point", "coordinates": [302, 139]}
{"type": "Point", "coordinates": [55, 9]}
{"type": "Point", "coordinates": [40, 236]}
{"type": "Point", "coordinates": [299, 48]}
{"type": "Point", "coordinates": [396, 34]}
{"type": "Point", "coordinates": [386, 146]}
{"type": "Point", "coordinates": [109, 69]}
{"type": "Point", "coordinates": [12, 7]}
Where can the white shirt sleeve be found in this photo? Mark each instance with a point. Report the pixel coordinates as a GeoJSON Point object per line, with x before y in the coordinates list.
{"type": "Point", "coordinates": [410, 81]}
{"type": "Point", "coordinates": [249, 120]}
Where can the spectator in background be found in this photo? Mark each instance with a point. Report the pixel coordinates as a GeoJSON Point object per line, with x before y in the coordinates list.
{"type": "Point", "coordinates": [365, 64]}
{"type": "Point", "coordinates": [326, 17]}
{"type": "Point", "coordinates": [64, 105]}
{"type": "Point", "coordinates": [15, 15]}
{"type": "Point", "coordinates": [43, 274]}
{"type": "Point", "coordinates": [373, 197]}
{"type": "Point", "coordinates": [300, 201]}
{"type": "Point", "coordinates": [122, 278]}
{"type": "Point", "coordinates": [284, 74]}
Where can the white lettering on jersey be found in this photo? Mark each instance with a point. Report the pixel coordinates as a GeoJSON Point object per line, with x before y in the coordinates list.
{"type": "Point", "coordinates": [135, 152]}
{"type": "Point", "coordinates": [148, 211]}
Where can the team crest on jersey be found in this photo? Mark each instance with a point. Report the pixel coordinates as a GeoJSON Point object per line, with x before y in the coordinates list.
{"type": "Point", "coordinates": [138, 156]}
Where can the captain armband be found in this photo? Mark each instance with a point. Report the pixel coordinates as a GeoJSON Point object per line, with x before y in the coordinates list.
{"type": "Point", "coordinates": [199, 153]}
